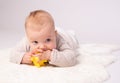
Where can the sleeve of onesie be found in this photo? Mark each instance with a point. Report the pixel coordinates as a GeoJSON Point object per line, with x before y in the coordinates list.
{"type": "Point", "coordinates": [66, 57]}
{"type": "Point", "coordinates": [18, 51]}
{"type": "Point", "coordinates": [67, 53]}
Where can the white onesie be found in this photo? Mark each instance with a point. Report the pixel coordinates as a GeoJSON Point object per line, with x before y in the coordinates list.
{"type": "Point", "coordinates": [65, 53]}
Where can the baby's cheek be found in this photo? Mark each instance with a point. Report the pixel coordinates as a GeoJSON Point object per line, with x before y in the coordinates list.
{"type": "Point", "coordinates": [52, 46]}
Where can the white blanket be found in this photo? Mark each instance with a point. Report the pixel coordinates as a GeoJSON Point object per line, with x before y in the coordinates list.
{"type": "Point", "coordinates": [91, 68]}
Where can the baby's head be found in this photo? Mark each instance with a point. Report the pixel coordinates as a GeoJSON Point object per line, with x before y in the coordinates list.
{"type": "Point", "coordinates": [40, 30]}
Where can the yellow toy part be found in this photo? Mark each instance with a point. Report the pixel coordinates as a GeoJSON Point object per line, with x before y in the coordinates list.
{"type": "Point", "coordinates": [38, 63]}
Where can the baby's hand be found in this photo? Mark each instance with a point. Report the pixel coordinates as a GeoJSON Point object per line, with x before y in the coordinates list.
{"type": "Point", "coordinates": [45, 55]}
{"type": "Point", "coordinates": [27, 57]}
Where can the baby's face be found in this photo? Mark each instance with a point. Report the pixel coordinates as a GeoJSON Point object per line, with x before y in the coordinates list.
{"type": "Point", "coordinates": [44, 38]}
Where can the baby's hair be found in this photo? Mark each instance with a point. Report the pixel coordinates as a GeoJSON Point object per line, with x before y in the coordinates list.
{"type": "Point", "coordinates": [39, 17]}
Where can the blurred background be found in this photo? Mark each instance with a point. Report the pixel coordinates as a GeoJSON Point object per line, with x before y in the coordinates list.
{"type": "Point", "coordinates": [94, 21]}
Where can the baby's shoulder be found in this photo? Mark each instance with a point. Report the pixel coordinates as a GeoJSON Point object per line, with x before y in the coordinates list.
{"type": "Point", "coordinates": [67, 37]}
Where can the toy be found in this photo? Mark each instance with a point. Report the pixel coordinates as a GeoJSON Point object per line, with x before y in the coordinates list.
{"type": "Point", "coordinates": [37, 62]}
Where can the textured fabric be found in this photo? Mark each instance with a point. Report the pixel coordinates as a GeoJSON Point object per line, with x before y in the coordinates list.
{"type": "Point", "coordinates": [64, 55]}
{"type": "Point", "coordinates": [91, 68]}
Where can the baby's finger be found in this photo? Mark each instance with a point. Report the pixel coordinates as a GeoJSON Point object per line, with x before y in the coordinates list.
{"type": "Point", "coordinates": [38, 54]}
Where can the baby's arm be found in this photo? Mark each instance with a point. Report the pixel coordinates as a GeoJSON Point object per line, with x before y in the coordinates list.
{"type": "Point", "coordinates": [63, 58]}
{"type": "Point", "coordinates": [19, 51]}
{"type": "Point", "coordinates": [66, 52]}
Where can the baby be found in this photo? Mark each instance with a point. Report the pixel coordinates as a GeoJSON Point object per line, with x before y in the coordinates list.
{"type": "Point", "coordinates": [58, 47]}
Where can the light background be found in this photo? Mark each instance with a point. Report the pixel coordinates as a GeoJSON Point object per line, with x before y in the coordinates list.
{"type": "Point", "coordinates": [94, 21]}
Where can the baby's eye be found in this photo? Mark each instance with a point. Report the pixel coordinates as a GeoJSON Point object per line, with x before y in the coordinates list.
{"type": "Point", "coordinates": [35, 42]}
{"type": "Point", "coordinates": [48, 40]}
